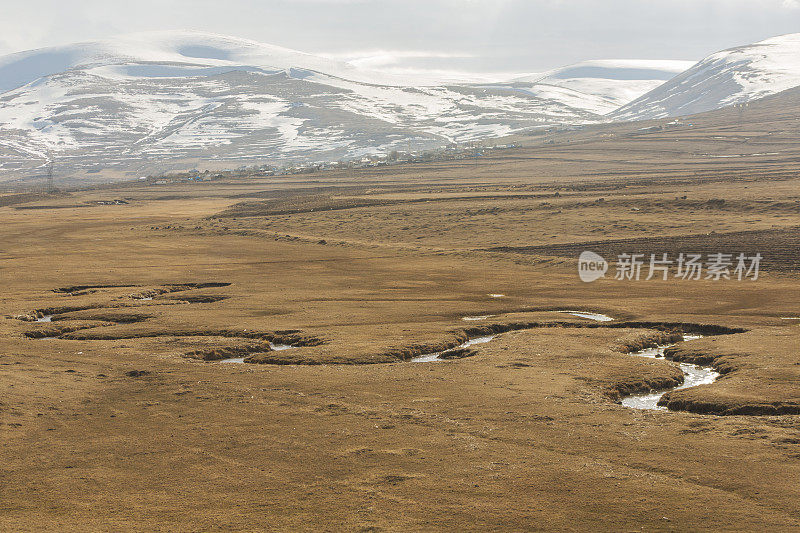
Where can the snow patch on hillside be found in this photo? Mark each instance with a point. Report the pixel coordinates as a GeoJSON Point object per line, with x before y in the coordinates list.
{"type": "Point", "coordinates": [615, 81]}
{"type": "Point", "coordinates": [732, 76]}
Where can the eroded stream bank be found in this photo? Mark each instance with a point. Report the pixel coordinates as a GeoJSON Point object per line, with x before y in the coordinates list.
{"type": "Point", "coordinates": [693, 375]}
{"type": "Point", "coordinates": [458, 346]}
{"type": "Point", "coordinates": [274, 347]}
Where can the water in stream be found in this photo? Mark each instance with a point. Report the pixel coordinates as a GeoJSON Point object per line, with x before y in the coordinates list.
{"type": "Point", "coordinates": [591, 316]}
{"type": "Point", "coordinates": [431, 357]}
{"type": "Point", "coordinates": [693, 375]}
{"type": "Point", "coordinates": [275, 347]}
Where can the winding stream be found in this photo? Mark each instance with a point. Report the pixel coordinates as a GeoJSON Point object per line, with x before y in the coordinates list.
{"type": "Point", "coordinates": [431, 357]}
{"type": "Point", "coordinates": [693, 375]}
{"type": "Point", "coordinates": [275, 347]}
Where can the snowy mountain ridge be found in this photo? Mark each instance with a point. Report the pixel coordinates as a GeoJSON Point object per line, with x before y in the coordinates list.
{"type": "Point", "coordinates": [734, 76]}
{"type": "Point", "coordinates": [154, 102]}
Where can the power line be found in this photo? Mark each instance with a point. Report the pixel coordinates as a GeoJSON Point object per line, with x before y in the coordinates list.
{"type": "Point", "coordinates": [50, 186]}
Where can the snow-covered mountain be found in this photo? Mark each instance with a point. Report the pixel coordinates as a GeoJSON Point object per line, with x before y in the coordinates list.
{"type": "Point", "coordinates": [157, 101]}
{"type": "Point", "coordinates": [161, 101]}
{"type": "Point", "coordinates": [616, 81]}
{"type": "Point", "coordinates": [733, 76]}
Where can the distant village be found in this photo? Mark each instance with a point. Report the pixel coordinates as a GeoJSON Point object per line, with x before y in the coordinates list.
{"type": "Point", "coordinates": [395, 157]}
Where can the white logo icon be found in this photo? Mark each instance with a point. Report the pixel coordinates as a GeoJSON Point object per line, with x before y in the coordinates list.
{"type": "Point", "coordinates": [591, 266]}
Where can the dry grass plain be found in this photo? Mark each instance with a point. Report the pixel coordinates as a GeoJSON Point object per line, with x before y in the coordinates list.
{"type": "Point", "coordinates": [111, 419]}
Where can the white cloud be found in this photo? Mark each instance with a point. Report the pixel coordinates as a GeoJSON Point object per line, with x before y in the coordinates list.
{"type": "Point", "coordinates": [387, 58]}
{"type": "Point", "coordinates": [460, 35]}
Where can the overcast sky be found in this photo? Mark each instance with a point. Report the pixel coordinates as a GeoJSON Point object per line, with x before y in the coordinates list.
{"type": "Point", "coordinates": [465, 35]}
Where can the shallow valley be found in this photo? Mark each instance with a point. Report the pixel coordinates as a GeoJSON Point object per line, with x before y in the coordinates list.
{"type": "Point", "coordinates": [118, 412]}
